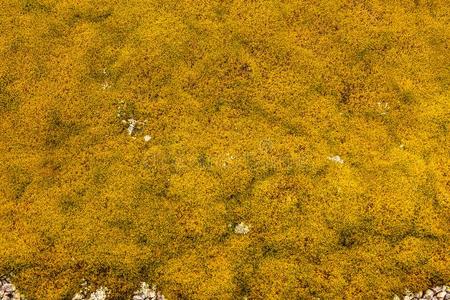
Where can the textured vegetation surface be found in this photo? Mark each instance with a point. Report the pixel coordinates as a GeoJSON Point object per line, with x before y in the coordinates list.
{"type": "Point", "coordinates": [245, 102]}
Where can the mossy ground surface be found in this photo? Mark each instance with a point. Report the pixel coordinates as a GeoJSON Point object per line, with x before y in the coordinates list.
{"type": "Point", "coordinates": [245, 101]}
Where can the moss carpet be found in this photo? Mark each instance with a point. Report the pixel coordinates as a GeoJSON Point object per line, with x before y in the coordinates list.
{"type": "Point", "coordinates": [293, 149]}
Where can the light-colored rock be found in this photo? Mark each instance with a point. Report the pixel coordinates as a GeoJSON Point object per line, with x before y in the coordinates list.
{"type": "Point", "coordinates": [78, 296]}
{"type": "Point", "coordinates": [428, 294]}
{"type": "Point", "coordinates": [147, 138]}
{"type": "Point", "coordinates": [131, 126]}
{"type": "Point", "coordinates": [336, 159]}
{"type": "Point", "coordinates": [99, 294]}
{"type": "Point", "coordinates": [147, 293]}
{"type": "Point", "coordinates": [435, 293]}
{"type": "Point", "coordinates": [242, 228]}
{"type": "Point", "coordinates": [8, 288]}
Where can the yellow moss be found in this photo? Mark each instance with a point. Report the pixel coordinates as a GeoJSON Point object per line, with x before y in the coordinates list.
{"type": "Point", "coordinates": [246, 102]}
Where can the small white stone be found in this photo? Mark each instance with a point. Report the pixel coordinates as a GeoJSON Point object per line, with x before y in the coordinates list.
{"type": "Point", "coordinates": [99, 294]}
{"type": "Point", "coordinates": [336, 159]}
{"type": "Point", "coordinates": [144, 288]}
{"type": "Point", "coordinates": [9, 288]}
{"type": "Point", "coordinates": [146, 292]}
{"type": "Point", "coordinates": [77, 296]}
{"type": "Point", "coordinates": [147, 138]}
{"type": "Point", "coordinates": [131, 126]}
{"type": "Point", "coordinates": [241, 228]}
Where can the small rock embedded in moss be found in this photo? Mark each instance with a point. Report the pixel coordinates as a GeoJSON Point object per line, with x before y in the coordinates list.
{"type": "Point", "coordinates": [241, 228]}
{"type": "Point", "coordinates": [438, 293]}
{"type": "Point", "coordinates": [85, 294]}
{"type": "Point", "coordinates": [8, 290]}
{"type": "Point", "coordinates": [133, 125]}
{"type": "Point", "coordinates": [147, 293]}
{"type": "Point", "coordinates": [336, 159]}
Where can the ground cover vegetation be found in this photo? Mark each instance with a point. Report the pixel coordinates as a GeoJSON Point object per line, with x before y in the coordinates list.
{"type": "Point", "coordinates": [318, 128]}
